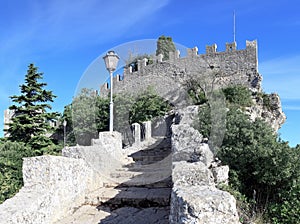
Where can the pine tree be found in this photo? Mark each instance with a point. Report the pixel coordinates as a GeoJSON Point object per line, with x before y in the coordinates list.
{"type": "Point", "coordinates": [164, 46]}
{"type": "Point", "coordinates": [30, 122]}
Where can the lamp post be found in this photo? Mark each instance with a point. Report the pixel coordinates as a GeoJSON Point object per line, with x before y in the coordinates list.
{"type": "Point", "coordinates": [65, 125]}
{"type": "Point", "coordinates": [111, 61]}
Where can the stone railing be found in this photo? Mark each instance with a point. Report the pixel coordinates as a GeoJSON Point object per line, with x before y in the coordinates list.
{"type": "Point", "coordinates": [195, 197]}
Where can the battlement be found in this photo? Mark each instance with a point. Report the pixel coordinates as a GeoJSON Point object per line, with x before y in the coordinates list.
{"type": "Point", "coordinates": [230, 61]}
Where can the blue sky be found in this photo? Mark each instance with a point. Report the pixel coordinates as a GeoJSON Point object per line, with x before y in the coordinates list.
{"type": "Point", "coordinates": [62, 37]}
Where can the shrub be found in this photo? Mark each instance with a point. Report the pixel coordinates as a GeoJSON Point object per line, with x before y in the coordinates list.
{"type": "Point", "coordinates": [238, 95]}
{"type": "Point", "coordinates": [287, 210]}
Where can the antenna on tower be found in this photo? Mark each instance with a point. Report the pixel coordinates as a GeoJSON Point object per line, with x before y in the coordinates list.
{"type": "Point", "coordinates": [233, 25]}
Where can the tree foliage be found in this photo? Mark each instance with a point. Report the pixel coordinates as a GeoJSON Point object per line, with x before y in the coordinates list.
{"type": "Point", "coordinates": [133, 61]}
{"type": "Point", "coordinates": [262, 163]}
{"type": "Point", "coordinates": [203, 122]}
{"type": "Point", "coordinates": [238, 95]}
{"type": "Point", "coordinates": [67, 117]}
{"type": "Point", "coordinates": [11, 154]}
{"type": "Point", "coordinates": [196, 92]}
{"type": "Point", "coordinates": [147, 106]}
{"type": "Point", "coordinates": [30, 122]}
{"type": "Point", "coordinates": [164, 46]}
{"type": "Point", "coordinates": [84, 116]}
{"type": "Point", "coordinates": [91, 112]}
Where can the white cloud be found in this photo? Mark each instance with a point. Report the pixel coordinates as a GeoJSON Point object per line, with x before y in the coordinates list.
{"type": "Point", "coordinates": [282, 75]}
{"type": "Point", "coordinates": [291, 107]}
{"type": "Point", "coordinates": [73, 22]}
{"type": "Point", "coordinates": [58, 25]}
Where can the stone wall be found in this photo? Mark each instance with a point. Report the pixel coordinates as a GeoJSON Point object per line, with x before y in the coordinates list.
{"type": "Point", "coordinates": [104, 155]}
{"type": "Point", "coordinates": [53, 187]}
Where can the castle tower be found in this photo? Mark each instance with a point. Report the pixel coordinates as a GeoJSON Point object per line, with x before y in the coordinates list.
{"type": "Point", "coordinates": [8, 115]}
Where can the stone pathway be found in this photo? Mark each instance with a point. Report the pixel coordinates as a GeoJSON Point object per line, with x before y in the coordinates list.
{"type": "Point", "coordinates": [88, 214]}
{"type": "Point", "coordinates": [139, 193]}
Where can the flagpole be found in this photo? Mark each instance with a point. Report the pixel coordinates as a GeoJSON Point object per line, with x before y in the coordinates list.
{"type": "Point", "coordinates": [233, 26]}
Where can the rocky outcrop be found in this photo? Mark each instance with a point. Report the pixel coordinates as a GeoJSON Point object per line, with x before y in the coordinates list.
{"type": "Point", "coordinates": [267, 108]}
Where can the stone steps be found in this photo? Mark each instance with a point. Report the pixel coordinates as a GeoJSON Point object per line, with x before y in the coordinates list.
{"type": "Point", "coordinates": [153, 158]}
{"type": "Point", "coordinates": [138, 192]}
{"type": "Point", "coordinates": [132, 215]}
{"type": "Point", "coordinates": [88, 214]}
{"type": "Point", "coordinates": [130, 175]}
{"type": "Point", "coordinates": [167, 182]}
{"type": "Point", "coordinates": [152, 152]}
{"type": "Point", "coordinates": [144, 160]}
{"type": "Point", "coordinates": [144, 168]}
{"type": "Point", "coordinates": [132, 196]}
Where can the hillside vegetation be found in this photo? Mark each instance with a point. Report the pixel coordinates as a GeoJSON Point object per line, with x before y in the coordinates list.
{"type": "Point", "coordinates": [264, 170]}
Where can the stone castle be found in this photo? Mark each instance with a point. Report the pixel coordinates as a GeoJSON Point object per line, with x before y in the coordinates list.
{"type": "Point", "coordinates": [163, 179]}
{"type": "Point", "coordinates": [169, 77]}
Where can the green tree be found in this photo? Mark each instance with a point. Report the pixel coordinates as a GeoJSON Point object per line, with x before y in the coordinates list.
{"type": "Point", "coordinates": [203, 122]}
{"type": "Point", "coordinates": [287, 208]}
{"type": "Point", "coordinates": [102, 113]}
{"type": "Point", "coordinates": [59, 133]}
{"type": "Point", "coordinates": [164, 46]}
{"type": "Point", "coordinates": [147, 106]}
{"type": "Point", "coordinates": [30, 123]}
{"type": "Point", "coordinates": [84, 116]}
{"type": "Point", "coordinates": [90, 113]}
{"type": "Point", "coordinates": [11, 154]}
{"type": "Point", "coordinates": [263, 166]}
{"type": "Point", "coordinates": [67, 116]}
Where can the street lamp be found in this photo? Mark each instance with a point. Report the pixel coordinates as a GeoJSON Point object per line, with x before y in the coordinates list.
{"type": "Point", "coordinates": [65, 125]}
{"type": "Point", "coordinates": [111, 61]}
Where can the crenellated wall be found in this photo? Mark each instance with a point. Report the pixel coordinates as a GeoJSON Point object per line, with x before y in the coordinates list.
{"type": "Point", "coordinates": [169, 77]}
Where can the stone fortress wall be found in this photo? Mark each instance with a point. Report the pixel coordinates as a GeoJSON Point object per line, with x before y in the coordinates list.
{"type": "Point", "coordinates": [168, 78]}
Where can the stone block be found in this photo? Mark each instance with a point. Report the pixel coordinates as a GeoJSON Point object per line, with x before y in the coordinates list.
{"type": "Point", "coordinates": [187, 115]}
{"type": "Point", "coordinates": [148, 131]}
{"type": "Point", "coordinates": [202, 205]}
{"type": "Point", "coordinates": [137, 133]}
{"type": "Point", "coordinates": [104, 155]}
{"type": "Point", "coordinates": [221, 174]}
{"type": "Point", "coordinates": [191, 174]}
{"type": "Point", "coordinates": [187, 145]}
